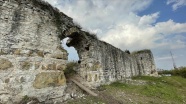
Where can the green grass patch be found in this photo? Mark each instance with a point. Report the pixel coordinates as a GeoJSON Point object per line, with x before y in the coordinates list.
{"type": "Point", "coordinates": [157, 90]}
{"type": "Point", "coordinates": [168, 89]}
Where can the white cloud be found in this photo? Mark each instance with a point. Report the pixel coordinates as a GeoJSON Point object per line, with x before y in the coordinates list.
{"type": "Point", "coordinates": [148, 19]}
{"type": "Point", "coordinates": [165, 58]}
{"type": "Point", "coordinates": [146, 35]}
{"type": "Point", "coordinates": [176, 3]}
{"type": "Point", "coordinates": [52, 2]}
{"type": "Point", "coordinates": [117, 22]}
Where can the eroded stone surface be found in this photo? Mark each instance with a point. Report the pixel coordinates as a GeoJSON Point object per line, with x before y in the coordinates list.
{"type": "Point", "coordinates": [31, 33]}
{"type": "Point", "coordinates": [51, 79]}
{"type": "Point", "coordinates": [102, 63]}
{"type": "Point", "coordinates": [5, 64]}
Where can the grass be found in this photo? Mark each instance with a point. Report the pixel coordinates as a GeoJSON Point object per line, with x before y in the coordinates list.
{"type": "Point", "coordinates": [167, 89]}
{"type": "Point", "coordinates": [26, 99]}
{"type": "Point", "coordinates": [181, 71]}
{"type": "Point", "coordinates": [158, 90]}
{"type": "Point", "coordinates": [141, 51]}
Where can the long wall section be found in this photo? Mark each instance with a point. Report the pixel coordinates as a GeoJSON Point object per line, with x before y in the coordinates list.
{"type": "Point", "coordinates": [102, 63]}
{"type": "Point", "coordinates": [32, 59]}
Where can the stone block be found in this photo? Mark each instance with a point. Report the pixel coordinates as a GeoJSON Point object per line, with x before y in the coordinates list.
{"type": "Point", "coordinates": [37, 65]}
{"type": "Point", "coordinates": [5, 64]}
{"type": "Point", "coordinates": [58, 56]}
{"type": "Point", "coordinates": [40, 53]}
{"type": "Point", "coordinates": [25, 65]}
{"type": "Point", "coordinates": [43, 67]}
{"type": "Point", "coordinates": [95, 78]}
{"type": "Point", "coordinates": [49, 67]}
{"type": "Point", "coordinates": [49, 79]}
{"type": "Point", "coordinates": [7, 80]}
{"type": "Point", "coordinates": [28, 53]}
{"type": "Point", "coordinates": [61, 67]}
{"type": "Point", "coordinates": [2, 52]}
{"type": "Point", "coordinates": [89, 78]}
{"type": "Point", "coordinates": [17, 51]}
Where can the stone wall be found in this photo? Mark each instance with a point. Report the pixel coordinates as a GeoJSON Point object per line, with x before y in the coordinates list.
{"type": "Point", "coordinates": [31, 57]}
{"type": "Point", "coordinates": [102, 63]}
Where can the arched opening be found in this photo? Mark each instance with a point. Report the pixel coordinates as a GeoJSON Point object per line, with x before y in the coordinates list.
{"type": "Point", "coordinates": [73, 58]}
{"type": "Point", "coordinates": [72, 53]}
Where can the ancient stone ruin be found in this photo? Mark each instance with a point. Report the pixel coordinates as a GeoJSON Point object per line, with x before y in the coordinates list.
{"type": "Point", "coordinates": [32, 59]}
{"type": "Point", "coordinates": [102, 63]}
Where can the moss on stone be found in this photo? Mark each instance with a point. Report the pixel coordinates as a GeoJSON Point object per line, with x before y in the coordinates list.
{"type": "Point", "coordinates": [5, 64]}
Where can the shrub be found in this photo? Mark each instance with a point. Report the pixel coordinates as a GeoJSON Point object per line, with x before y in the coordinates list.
{"type": "Point", "coordinates": [70, 69]}
{"type": "Point", "coordinates": [26, 99]}
{"type": "Point", "coordinates": [180, 72]}
{"type": "Point", "coordinates": [165, 72]}
{"type": "Point", "coordinates": [176, 72]}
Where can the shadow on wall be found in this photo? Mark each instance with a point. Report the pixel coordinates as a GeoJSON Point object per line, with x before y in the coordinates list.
{"type": "Point", "coordinates": [72, 53]}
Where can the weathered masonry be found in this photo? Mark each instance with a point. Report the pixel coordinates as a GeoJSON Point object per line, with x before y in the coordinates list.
{"type": "Point", "coordinates": [32, 59]}
{"type": "Point", "coordinates": [102, 63]}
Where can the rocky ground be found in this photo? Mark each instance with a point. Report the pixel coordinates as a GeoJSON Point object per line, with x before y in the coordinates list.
{"type": "Point", "coordinates": [151, 90]}
{"type": "Point", "coordinates": [162, 90]}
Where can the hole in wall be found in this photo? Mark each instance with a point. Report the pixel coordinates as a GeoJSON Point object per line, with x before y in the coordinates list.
{"type": "Point", "coordinates": [87, 48]}
{"type": "Point", "coordinates": [79, 61]}
{"type": "Point", "coordinates": [72, 52]}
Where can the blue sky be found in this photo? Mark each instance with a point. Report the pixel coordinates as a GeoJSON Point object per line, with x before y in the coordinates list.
{"type": "Point", "coordinates": [159, 25]}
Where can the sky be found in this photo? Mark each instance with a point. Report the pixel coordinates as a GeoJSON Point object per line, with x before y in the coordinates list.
{"type": "Point", "coordinates": [159, 25]}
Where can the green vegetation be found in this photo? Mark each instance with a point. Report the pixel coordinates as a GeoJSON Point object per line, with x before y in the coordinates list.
{"type": "Point", "coordinates": [141, 51]}
{"type": "Point", "coordinates": [26, 99]}
{"type": "Point", "coordinates": [157, 90]}
{"type": "Point", "coordinates": [69, 71]}
{"type": "Point", "coordinates": [176, 72]}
